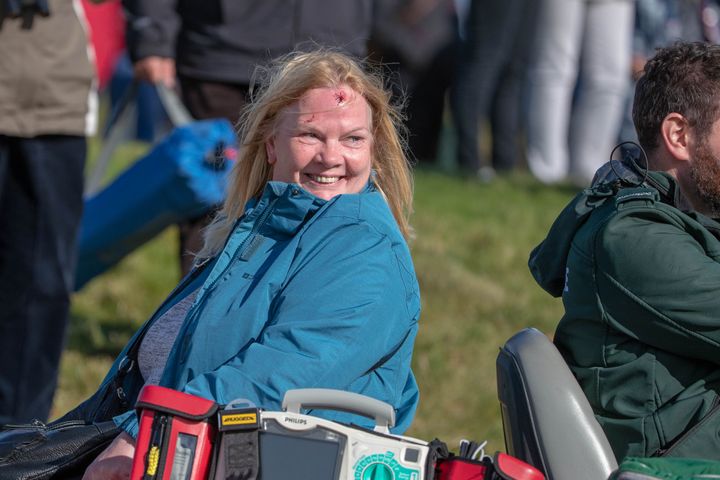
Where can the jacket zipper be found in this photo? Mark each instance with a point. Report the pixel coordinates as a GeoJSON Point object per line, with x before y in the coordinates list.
{"type": "Point", "coordinates": [661, 452]}
{"type": "Point", "coordinates": [259, 223]}
{"type": "Point", "coordinates": [43, 425]}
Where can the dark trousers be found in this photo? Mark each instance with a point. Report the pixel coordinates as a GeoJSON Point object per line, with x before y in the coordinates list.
{"type": "Point", "coordinates": [426, 104]}
{"type": "Point", "coordinates": [41, 185]}
{"type": "Point", "coordinates": [206, 100]}
{"type": "Point", "coordinates": [490, 81]}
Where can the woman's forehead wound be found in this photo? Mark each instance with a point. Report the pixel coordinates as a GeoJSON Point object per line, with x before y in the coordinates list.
{"type": "Point", "coordinates": [340, 96]}
{"type": "Point", "coordinates": [319, 101]}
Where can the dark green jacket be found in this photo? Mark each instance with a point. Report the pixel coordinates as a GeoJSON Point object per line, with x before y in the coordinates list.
{"type": "Point", "coordinates": [640, 282]}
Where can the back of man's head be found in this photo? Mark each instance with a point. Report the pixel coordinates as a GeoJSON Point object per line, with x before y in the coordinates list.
{"type": "Point", "coordinates": [683, 78]}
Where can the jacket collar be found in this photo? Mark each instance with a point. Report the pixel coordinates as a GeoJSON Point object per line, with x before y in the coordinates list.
{"type": "Point", "coordinates": [623, 173]}
{"type": "Point", "coordinates": [284, 206]}
{"type": "Point", "coordinates": [668, 188]}
{"type": "Point", "coordinates": [291, 206]}
{"type": "Point", "coordinates": [670, 193]}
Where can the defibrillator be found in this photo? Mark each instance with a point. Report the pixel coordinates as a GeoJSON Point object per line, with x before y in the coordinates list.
{"type": "Point", "coordinates": [294, 445]}
{"type": "Point", "coordinates": [250, 443]}
{"type": "Point", "coordinates": [184, 437]}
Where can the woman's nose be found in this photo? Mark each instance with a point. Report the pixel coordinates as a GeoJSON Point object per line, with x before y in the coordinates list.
{"type": "Point", "coordinates": [330, 154]}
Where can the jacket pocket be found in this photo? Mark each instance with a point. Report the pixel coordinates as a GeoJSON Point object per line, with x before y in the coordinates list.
{"type": "Point", "coordinates": [702, 440]}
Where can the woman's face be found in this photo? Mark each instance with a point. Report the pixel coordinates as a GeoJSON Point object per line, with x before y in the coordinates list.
{"type": "Point", "coordinates": [323, 142]}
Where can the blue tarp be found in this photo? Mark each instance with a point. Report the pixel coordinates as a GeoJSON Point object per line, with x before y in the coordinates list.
{"type": "Point", "coordinates": [182, 177]}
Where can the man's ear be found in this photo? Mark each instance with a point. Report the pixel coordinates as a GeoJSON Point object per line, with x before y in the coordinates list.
{"type": "Point", "coordinates": [270, 151]}
{"type": "Point", "coordinates": [676, 136]}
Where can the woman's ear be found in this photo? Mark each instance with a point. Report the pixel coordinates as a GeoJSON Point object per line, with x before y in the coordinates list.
{"type": "Point", "coordinates": [676, 136]}
{"type": "Point", "coordinates": [270, 151]}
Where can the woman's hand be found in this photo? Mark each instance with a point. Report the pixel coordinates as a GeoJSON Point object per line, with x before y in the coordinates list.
{"type": "Point", "coordinates": [115, 462]}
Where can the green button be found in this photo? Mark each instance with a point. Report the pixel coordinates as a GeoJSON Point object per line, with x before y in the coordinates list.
{"type": "Point", "coordinates": [377, 471]}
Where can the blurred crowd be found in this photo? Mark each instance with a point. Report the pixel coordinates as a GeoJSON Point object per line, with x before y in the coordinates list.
{"type": "Point", "coordinates": [549, 83]}
{"type": "Point", "coordinates": [545, 85]}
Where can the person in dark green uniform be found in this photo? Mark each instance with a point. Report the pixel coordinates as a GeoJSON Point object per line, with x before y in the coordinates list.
{"type": "Point", "coordinates": [636, 259]}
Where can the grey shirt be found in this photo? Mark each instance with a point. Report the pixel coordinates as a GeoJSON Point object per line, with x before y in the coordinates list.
{"type": "Point", "coordinates": [159, 339]}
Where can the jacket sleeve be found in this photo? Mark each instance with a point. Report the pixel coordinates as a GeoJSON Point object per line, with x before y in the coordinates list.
{"type": "Point", "coordinates": [347, 306]}
{"type": "Point", "coordinates": [658, 284]}
{"type": "Point", "coordinates": [128, 422]}
{"type": "Point", "coordinates": [152, 28]}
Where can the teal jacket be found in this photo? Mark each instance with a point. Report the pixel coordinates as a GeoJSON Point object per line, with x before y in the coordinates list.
{"type": "Point", "coordinates": [640, 282]}
{"type": "Point", "coordinates": [306, 293]}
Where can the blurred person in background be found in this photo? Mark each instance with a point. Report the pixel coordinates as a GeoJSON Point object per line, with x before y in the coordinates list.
{"type": "Point", "coordinates": [47, 108]}
{"type": "Point", "coordinates": [417, 40]}
{"type": "Point", "coordinates": [213, 46]}
{"type": "Point", "coordinates": [490, 83]}
{"type": "Point", "coordinates": [577, 85]}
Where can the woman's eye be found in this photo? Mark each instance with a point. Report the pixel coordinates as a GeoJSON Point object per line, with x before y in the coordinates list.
{"type": "Point", "coordinates": [355, 139]}
{"type": "Point", "coordinates": [308, 137]}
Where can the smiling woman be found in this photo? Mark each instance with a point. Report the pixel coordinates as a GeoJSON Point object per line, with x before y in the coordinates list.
{"type": "Point", "coordinates": [306, 278]}
{"type": "Point", "coordinates": [293, 88]}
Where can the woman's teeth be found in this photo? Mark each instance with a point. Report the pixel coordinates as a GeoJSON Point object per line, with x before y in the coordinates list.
{"type": "Point", "coordinates": [322, 179]}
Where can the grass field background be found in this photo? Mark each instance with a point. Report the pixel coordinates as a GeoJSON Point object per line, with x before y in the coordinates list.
{"type": "Point", "coordinates": [470, 255]}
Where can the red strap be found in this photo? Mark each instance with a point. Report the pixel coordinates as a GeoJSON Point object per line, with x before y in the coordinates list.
{"type": "Point", "coordinates": [457, 468]}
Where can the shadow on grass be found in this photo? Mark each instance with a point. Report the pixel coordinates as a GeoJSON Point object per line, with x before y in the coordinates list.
{"type": "Point", "coordinates": [92, 337]}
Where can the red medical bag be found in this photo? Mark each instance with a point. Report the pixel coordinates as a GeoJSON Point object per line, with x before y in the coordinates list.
{"type": "Point", "coordinates": [176, 436]}
{"type": "Point", "coordinates": [503, 467]}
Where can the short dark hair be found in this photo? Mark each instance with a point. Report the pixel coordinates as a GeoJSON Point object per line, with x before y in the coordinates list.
{"type": "Point", "coordinates": [682, 78]}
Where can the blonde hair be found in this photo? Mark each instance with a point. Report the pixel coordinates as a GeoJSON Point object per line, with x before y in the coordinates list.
{"type": "Point", "coordinates": [286, 81]}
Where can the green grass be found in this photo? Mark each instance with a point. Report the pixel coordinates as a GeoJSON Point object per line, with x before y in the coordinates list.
{"type": "Point", "coordinates": [470, 255]}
